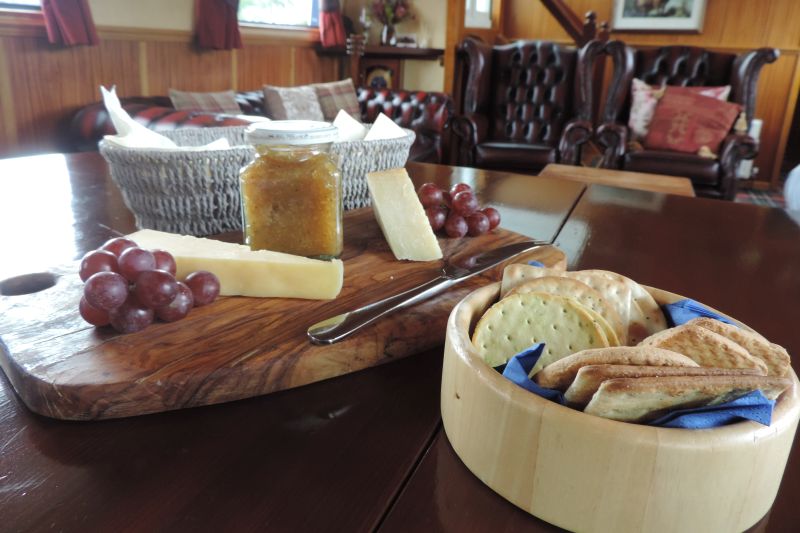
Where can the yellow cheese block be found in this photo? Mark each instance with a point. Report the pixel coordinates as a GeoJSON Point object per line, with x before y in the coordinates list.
{"type": "Point", "coordinates": [243, 272]}
{"type": "Point", "coordinates": [401, 216]}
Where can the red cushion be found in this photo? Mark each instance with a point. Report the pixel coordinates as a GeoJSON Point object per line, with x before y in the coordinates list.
{"type": "Point", "coordinates": [685, 121]}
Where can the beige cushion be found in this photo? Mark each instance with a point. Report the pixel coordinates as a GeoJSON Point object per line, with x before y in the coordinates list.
{"type": "Point", "coordinates": [338, 95]}
{"type": "Point", "coordinates": [292, 103]}
{"type": "Point", "coordinates": [221, 102]}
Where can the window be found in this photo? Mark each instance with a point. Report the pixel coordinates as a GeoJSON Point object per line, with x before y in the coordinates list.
{"type": "Point", "coordinates": [478, 14]}
{"type": "Point", "coordinates": [32, 5]}
{"type": "Point", "coordinates": [280, 12]}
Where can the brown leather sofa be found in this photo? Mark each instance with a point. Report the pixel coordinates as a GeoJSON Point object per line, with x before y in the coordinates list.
{"type": "Point", "coordinates": [427, 113]}
{"type": "Point", "coordinates": [681, 66]}
{"type": "Point", "coordinates": [525, 104]}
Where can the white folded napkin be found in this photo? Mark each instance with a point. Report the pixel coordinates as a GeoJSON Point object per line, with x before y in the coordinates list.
{"type": "Point", "coordinates": [131, 134]}
{"type": "Point", "coordinates": [349, 128]}
{"type": "Point", "coordinates": [384, 128]}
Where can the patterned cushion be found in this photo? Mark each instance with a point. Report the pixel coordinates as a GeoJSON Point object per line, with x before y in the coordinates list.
{"type": "Point", "coordinates": [686, 121]}
{"type": "Point", "coordinates": [222, 102]}
{"type": "Point", "coordinates": [292, 103]}
{"type": "Point", "coordinates": [337, 95]}
{"type": "Point", "coordinates": [644, 98]}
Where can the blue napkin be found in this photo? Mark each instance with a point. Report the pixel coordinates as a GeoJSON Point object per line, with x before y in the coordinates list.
{"type": "Point", "coordinates": [753, 406]}
{"type": "Point", "coordinates": [683, 311]}
{"type": "Point", "coordinates": [536, 264]}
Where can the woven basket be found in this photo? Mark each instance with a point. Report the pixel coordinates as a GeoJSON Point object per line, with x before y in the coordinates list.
{"type": "Point", "coordinates": [197, 193]}
{"type": "Point", "coordinates": [360, 157]}
{"type": "Point", "coordinates": [193, 193]}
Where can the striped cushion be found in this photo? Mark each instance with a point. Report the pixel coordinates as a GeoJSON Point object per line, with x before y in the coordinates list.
{"type": "Point", "coordinates": [292, 103]}
{"type": "Point", "coordinates": [222, 102]}
{"type": "Point", "coordinates": [337, 95]}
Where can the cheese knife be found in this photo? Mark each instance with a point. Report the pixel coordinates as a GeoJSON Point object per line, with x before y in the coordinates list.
{"type": "Point", "coordinates": [457, 269]}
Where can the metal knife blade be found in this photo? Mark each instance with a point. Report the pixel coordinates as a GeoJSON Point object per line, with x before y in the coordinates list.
{"type": "Point", "coordinates": [457, 269]}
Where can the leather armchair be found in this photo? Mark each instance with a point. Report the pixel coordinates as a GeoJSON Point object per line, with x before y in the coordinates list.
{"type": "Point", "coordinates": [524, 104]}
{"type": "Point", "coordinates": [681, 66]}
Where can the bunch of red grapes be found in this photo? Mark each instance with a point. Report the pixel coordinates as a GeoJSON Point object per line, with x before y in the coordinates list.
{"type": "Point", "coordinates": [129, 287]}
{"type": "Point", "coordinates": [457, 210]}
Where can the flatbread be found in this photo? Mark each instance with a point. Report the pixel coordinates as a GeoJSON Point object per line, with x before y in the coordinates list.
{"type": "Point", "coordinates": [589, 378]}
{"type": "Point", "coordinates": [646, 317]}
{"type": "Point", "coordinates": [581, 292]}
{"type": "Point", "coordinates": [560, 374]}
{"type": "Point", "coordinates": [775, 357]}
{"type": "Point", "coordinates": [705, 347]}
{"type": "Point", "coordinates": [646, 399]}
{"type": "Point", "coordinates": [518, 322]}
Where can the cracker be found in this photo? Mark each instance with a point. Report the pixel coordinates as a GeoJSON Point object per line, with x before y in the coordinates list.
{"type": "Point", "coordinates": [705, 347]}
{"type": "Point", "coordinates": [646, 317]}
{"type": "Point", "coordinates": [560, 374]}
{"type": "Point", "coordinates": [646, 399]}
{"type": "Point", "coordinates": [775, 357]}
{"type": "Point", "coordinates": [581, 292]}
{"type": "Point", "coordinates": [608, 332]}
{"type": "Point", "coordinates": [518, 273]}
{"type": "Point", "coordinates": [518, 322]}
{"type": "Point", "coordinates": [589, 378]}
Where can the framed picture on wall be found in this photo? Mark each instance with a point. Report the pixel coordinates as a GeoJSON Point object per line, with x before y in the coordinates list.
{"type": "Point", "coordinates": [658, 15]}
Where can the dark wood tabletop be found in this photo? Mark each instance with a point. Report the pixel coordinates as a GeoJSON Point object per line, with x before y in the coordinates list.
{"type": "Point", "coordinates": [332, 456]}
{"type": "Point", "coordinates": [362, 452]}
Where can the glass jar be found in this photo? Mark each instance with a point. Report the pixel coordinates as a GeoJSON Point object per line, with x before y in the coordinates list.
{"type": "Point", "coordinates": [292, 190]}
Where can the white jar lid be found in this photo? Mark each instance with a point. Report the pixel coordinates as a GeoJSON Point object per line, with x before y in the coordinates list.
{"type": "Point", "coordinates": [292, 132]}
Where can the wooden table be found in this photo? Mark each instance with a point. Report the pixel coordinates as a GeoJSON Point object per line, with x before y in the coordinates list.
{"type": "Point", "coordinates": [364, 451]}
{"type": "Point", "coordinates": [620, 178]}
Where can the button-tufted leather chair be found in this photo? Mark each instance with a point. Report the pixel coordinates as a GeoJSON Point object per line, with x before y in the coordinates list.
{"type": "Point", "coordinates": [682, 66]}
{"type": "Point", "coordinates": [525, 104]}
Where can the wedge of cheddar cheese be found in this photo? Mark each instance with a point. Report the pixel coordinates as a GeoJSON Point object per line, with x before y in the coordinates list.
{"type": "Point", "coordinates": [243, 272]}
{"type": "Point", "coordinates": [401, 216]}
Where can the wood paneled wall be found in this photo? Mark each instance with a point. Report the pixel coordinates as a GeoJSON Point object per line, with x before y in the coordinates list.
{"type": "Point", "coordinates": [42, 86]}
{"type": "Point", "coordinates": [730, 25]}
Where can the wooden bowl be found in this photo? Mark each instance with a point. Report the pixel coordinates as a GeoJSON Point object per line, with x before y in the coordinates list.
{"type": "Point", "coordinates": [586, 473]}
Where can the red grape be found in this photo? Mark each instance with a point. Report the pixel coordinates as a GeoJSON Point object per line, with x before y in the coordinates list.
{"type": "Point", "coordinates": [135, 260]}
{"type": "Point", "coordinates": [165, 261]}
{"type": "Point", "coordinates": [131, 316]}
{"type": "Point", "coordinates": [118, 245]}
{"type": "Point", "coordinates": [436, 217]}
{"type": "Point", "coordinates": [156, 288]}
{"type": "Point", "coordinates": [458, 187]}
{"type": "Point", "coordinates": [477, 224]}
{"type": "Point", "coordinates": [430, 195]}
{"type": "Point", "coordinates": [97, 261]}
{"type": "Point", "coordinates": [105, 290]}
{"type": "Point", "coordinates": [465, 203]}
{"type": "Point", "coordinates": [455, 225]}
{"type": "Point", "coordinates": [494, 217]}
{"type": "Point", "coordinates": [204, 286]}
{"type": "Point", "coordinates": [93, 315]}
{"type": "Point", "coordinates": [179, 307]}
{"type": "Point", "coordinates": [447, 199]}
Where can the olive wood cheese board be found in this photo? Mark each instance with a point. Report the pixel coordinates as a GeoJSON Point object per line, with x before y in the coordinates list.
{"type": "Point", "coordinates": [232, 349]}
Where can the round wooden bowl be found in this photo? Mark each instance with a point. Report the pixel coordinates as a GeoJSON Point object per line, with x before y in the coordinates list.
{"type": "Point", "coordinates": [586, 473]}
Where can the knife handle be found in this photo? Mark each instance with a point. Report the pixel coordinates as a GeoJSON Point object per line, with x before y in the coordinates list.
{"type": "Point", "coordinates": [340, 326]}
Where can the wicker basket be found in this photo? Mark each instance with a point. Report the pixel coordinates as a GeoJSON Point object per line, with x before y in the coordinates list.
{"type": "Point", "coordinates": [360, 157]}
{"type": "Point", "coordinates": [197, 193]}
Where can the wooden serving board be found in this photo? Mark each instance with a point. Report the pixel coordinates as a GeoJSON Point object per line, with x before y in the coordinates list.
{"type": "Point", "coordinates": [234, 348]}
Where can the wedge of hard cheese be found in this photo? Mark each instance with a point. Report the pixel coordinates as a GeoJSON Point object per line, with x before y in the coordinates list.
{"type": "Point", "coordinates": [243, 272]}
{"type": "Point", "coordinates": [401, 216]}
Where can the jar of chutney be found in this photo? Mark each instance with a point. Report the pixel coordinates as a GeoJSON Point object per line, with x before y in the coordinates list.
{"type": "Point", "coordinates": [292, 190]}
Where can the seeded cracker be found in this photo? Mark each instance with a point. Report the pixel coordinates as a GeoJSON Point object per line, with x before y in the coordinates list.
{"type": "Point", "coordinates": [775, 357]}
{"type": "Point", "coordinates": [705, 347]}
{"type": "Point", "coordinates": [589, 378]}
{"type": "Point", "coordinates": [560, 374]}
{"type": "Point", "coordinates": [646, 399]}
{"type": "Point", "coordinates": [518, 322]}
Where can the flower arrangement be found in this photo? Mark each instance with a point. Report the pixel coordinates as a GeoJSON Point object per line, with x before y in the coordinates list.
{"type": "Point", "coordinates": [391, 12]}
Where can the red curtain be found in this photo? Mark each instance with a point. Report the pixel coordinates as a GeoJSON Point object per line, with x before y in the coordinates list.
{"type": "Point", "coordinates": [216, 24]}
{"type": "Point", "coordinates": [69, 22]}
{"type": "Point", "coordinates": [331, 28]}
